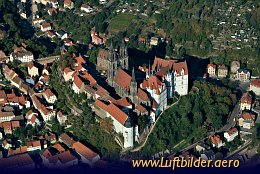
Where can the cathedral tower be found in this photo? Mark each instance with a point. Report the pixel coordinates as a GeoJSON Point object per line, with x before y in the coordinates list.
{"type": "Point", "coordinates": [123, 56]}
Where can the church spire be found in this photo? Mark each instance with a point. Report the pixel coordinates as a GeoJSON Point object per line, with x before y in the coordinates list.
{"type": "Point", "coordinates": [133, 75]}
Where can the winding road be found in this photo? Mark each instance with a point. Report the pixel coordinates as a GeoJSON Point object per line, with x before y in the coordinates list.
{"type": "Point", "coordinates": [151, 130]}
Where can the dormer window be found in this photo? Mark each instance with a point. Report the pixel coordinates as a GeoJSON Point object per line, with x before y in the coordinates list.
{"type": "Point", "coordinates": [182, 72]}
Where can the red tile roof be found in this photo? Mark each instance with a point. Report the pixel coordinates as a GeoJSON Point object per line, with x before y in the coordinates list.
{"type": "Point", "coordinates": [142, 94]}
{"type": "Point", "coordinates": [232, 131]}
{"type": "Point", "coordinates": [255, 83]}
{"type": "Point", "coordinates": [248, 116]}
{"type": "Point", "coordinates": [153, 83]}
{"type": "Point", "coordinates": [123, 79]}
{"type": "Point", "coordinates": [78, 82]}
{"type": "Point", "coordinates": [215, 139]}
{"type": "Point", "coordinates": [84, 151]}
{"type": "Point", "coordinates": [246, 98]}
{"type": "Point", "coordinates": [113, 110]}
{"type": "Point", "coordinates": [211, 65]}
{"type": "Point", "coordinates": [89, 77]}
{"type": "Point", "coordinates": [48, 93]}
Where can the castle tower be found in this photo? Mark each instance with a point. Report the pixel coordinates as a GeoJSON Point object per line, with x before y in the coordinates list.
{"type": "Point", "coordinates": [133, 87]}
{"type": "Point", "coordinates": [112, 64]}
{"type": "Point", "coordinates": [123, 54]}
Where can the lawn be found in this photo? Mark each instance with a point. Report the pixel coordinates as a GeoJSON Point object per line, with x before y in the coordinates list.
{"type": "Point", "coordinates": [120, 22]}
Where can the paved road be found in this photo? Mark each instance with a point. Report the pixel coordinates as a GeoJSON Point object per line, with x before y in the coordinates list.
{"type": "Point", "coordinates": [243, 147]}
{"type": "Point", "coordinates": [109, 3]}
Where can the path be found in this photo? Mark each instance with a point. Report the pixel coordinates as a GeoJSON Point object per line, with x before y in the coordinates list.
{"type": "Point", "coordinates": [151, 130]}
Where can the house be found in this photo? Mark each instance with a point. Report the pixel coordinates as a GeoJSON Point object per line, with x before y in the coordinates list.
{"type": "Point", "coordinates": [78, 86]}
{"type": "Point", "coordinates": [56, 157]}
{"type": "Point", "coordinates": [67, 140]}
{"type": "Point", "coordinates": [255, 86]}
{"type": "Point", "coordinates": [7, 126]}
{"type": "Point", "coordinates": [19, 150]}
{"type": "Point", "coordinates": [96, 39]}
{"type": "Point", "coordinates": [32, 118]}
{"type": "Point", "coordinates": [246, 102]}
{"type": "Point", "coordinates": [62, 34]}
{"type": "Point", "coordinates": [247, 120]}
{"type": "Point", "coordinates": [231, 134]}
{"type": "Point", "coordinates": [46, 113]}
{"type": "Point", "coordinates": [222, 71]}
{"type": "Point", "coordinates": [49, 96]}
{"type": "Point", "coordinates": [37, 21]}
{"type": "Point", "coordinates": [50, 34]}
{"type": "Point", "coordinates": [86, 8]}
{"type": "Point", "coordinates": [6, 145]}
{"type": "Point", "coordinates": [35, 145]}
{"type": "Point", "coordinates": [20, 162]}
{"type": "Point", "coordinates": [67, 42]}
{"type": "Point", "coordinates": [121, 120]}
{"type": "Point", "coordinates": [22, 55]}
{"type": "Point", "coordinates": [154, 41]}
{"type": "Point", "coordinates": [68, 74]}
{"type": "Point", "coordinates": [32, 69]}
{"type": "Point", "coordinates": [3, 57]}
{"type": "Point", "coordinates": [157, 90]}
{"type": "Point", "coordinates": [216, 141]}
{"type": "Point", "coordinates": [86, 155]}
{"type": "Point", "coordinates": [68, 4]}
{"type": "Point", "coordinates": [54, 3]}
{"type": "Point", "coordinates": [211, 70]}
{"type": "Point", "coordinates": [51, 11]}
{"type": "Point", "coordinates": [61, 118]}
{"type": "Point", "coordinates": [6, 116]}
{"type": "Point", "coordinates": [45, 26]}
{"type": "Point", "coordinates": [243, 75]}
{"type": "Point", "coordinates": [102, 60]}
{"type": "Point", "coordinates": [235, 66]}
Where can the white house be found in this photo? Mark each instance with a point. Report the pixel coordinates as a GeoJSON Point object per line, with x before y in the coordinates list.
{"type": "Point", "coordinates": [231, 134]}
{"type": "Point", "coordinates": [68, 74]}
{"type": "Point", "coordinates": [49, 96]}
{"type": "Point", "coordinates": [157, 90]}
{"type": "Point", "coordinates": [86, 8]}
{"type": "Point", "coordinates": [45, 26]}
{"type": "Point", "coordinates": [22, 55]}
{"type": "Point", "coordinates": [255, 86]}
{"type": "Point", "coordinates": [216, 141]}
{"type": "Point", "coordinates": [32, 69]}
{"type": "Point", "coordinates": [121, 121]}
{"type": "Point", "coordinates": [6, 116]}
{"type": "Point", "coordinates": [87, 155]}
{"type": "Point", "coordinates": [32, 118]}
{"type": "Point", "coordinates": [60, 160]}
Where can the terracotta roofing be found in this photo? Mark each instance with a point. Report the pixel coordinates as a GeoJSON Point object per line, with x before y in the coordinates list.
{"type": "Point", "coordinates": [101, 91]}
{"type": "Point", "coordinates": [18, 150]}
{"type": "Point", "coordinates": [141, 108]}
{"type": "Point", "coordinates": [123, 79]}
{"type": "Point", "coordinates": [16, 161]}
{"type": "Point", "coordinates": [66, 139]}
{"type": "Point", "coordinates": [67, 2]}
{"type": "Point", "coordinates": [84, 151]}
{"type": "Point", "coordinates": [2, 94]}
{"type": "Point", "coordinates": [113, 110]}
{"type": "Point", "coordinates": [78, 82]}
{"type": "Point", "coordinates": [46, 25]}
{"type": "Point", "coordinates": [153, 83]}
{"type": "Point", "coordinates": [31, 64]}
{"type": "Point", "coordinates": [173, 65]}
{"type": "Point", "coordinates": [48, 93]}
{"type": "Point", "coordinates": [248, 116]}
{"type": "Point", "coordinates": [89, 77]}
{"type": "Point", "coordinates": [211, 65]}
{"type": "Point", "coordinates": [67, 70]}
{"type": "Point", "coordinates": [142, 94]}
{"type": "Point", "coordinates": [58, 147]}
{"type": "Point", "coordinates": [33, 143]}
{"type": "Point", "coordinates": [232, 131]}
{"type": "Point", "coordinates": [246, 98]}
{"type": "Point", "coordinates": [255, 83]}
{"type": "Point", "coordinates": [86, 5]}
{"type": "Point", "coordinates": [64, 157]}
{"type": "Point", "coordinates": [102, 53]}
{"type": "Point", "coordinates": [222, 67]}
{"type": "Point", "coordinates": [122, 102]}
{"type": "Point", "coordinates": [80, 60]}
{"type": "Point", "coordinates": [215, 139]}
